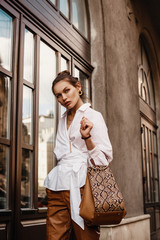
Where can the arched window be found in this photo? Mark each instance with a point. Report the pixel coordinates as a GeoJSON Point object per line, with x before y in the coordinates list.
{"type": "Point", "coordinates": [145, 83]}
{"type": "Point", "coordinates": [150, 163]}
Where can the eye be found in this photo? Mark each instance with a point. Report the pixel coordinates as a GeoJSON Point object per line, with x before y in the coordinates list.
{"type": "Point", "coordinates": [58, 95]}
{"type": "Point", "coordinates": [66, 90]}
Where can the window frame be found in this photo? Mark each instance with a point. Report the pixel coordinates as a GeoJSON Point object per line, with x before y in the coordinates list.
{"type": "Point", "coordinates": [148, 130]}
{"type": "Point", "coordinates": [13, 78]}
{"type": "Point", "coordinates": [60, 51]}
{"type": "Point", "coordinates": [23, 18]}
{"type": "Point", "coordinates": [69, 20]}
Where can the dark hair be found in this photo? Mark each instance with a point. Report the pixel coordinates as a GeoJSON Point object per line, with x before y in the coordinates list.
{"type": "Point", "coordinates": [65, 75]}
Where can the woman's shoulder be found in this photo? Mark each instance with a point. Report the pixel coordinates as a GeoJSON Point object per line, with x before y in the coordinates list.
{"type": "Point", "coordinates": [92, 113]}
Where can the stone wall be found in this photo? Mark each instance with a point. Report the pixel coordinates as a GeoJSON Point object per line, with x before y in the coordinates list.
{"type": "Point", "coordinates": [115, 88]}
{"type": "Point", "coordinates": [135, 228]}
{"type": "Point", "coordinates": [116, 27]}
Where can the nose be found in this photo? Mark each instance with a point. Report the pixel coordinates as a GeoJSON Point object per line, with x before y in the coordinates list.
{"type": "Point", "coordinates": [64, 97]}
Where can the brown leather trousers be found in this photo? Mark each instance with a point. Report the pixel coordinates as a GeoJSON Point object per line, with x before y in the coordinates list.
{"type": "Point", "coordinates": [59, 222]}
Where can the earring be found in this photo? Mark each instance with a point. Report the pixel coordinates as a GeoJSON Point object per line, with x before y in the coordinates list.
{"type": "Point", "coordinates": [80, 92]}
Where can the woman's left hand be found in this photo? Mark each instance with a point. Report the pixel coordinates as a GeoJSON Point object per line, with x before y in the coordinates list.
{"type": "Point", "coordinates": [86, 127]}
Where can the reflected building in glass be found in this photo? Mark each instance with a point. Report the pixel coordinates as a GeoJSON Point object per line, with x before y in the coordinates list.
{"type": "Point", "coordinates": [6, 39]}
{"type": "Point", "coordinates": [46, 157]}
{"type": "Point", "coordinates": [5, 92]}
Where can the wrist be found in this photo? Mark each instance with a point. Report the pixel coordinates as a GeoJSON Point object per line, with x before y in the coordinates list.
{"type": "Point", "coordinates": [87, 137]}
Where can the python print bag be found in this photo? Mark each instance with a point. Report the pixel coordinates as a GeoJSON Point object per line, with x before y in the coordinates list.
{"type": "Point", "coordinates": [102, 202]}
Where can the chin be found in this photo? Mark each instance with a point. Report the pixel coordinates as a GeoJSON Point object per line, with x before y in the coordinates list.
{"type": "Point", "coordinates": [69, 107]}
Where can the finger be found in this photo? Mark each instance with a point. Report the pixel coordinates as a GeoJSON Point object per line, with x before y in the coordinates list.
{"type": "Point", "coordinates": [83, 126]}
{"type": "Point", "coordinates": [88, 123]}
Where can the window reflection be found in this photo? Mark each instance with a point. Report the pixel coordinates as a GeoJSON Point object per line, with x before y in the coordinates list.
{"type": "Point", "coordinates": [28, 72]}
{"type": "Point", "coordinates": [5, 40]}
{"type": "Point", "coordinates": [145, 81]}
{"type": "Point", "coordinates": [84, 82]}
{"type": "Point", "coordinates": [26, 179]}
{"type": "Point", "coordinates": [4, 173]}
{"type": "Point", "coordinates": [27, 123]}
{"type": "Point", "coordinates": [64, 7]}
{"type": "Point", "coordinates": [47, 118]}
{"type": "Point", "coordinates": [64, 66]}
{"type": "Point", "coordinates": [5, 101]}
{"type": "Point", "coordinates": [53, 1]}
{"type": "Point", "coordinates": [79, 16]}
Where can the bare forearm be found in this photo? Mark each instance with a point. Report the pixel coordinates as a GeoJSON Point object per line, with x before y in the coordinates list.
{"type": "Point", "coordinates": [89, 143]}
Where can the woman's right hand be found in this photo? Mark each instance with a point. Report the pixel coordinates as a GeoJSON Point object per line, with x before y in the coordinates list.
{"type": "Point", "coordinates": [86, 126]}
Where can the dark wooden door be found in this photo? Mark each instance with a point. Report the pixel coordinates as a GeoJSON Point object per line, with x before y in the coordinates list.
{"type": "Point", "coordinates": [151, 185]}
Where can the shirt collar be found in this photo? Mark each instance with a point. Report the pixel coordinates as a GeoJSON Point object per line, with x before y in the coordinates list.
{"type": "Point", "coordinates": [81, 108]}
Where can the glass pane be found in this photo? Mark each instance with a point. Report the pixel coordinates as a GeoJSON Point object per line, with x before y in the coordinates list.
{"type": "Point", "coordinates": [79, 16]}
{"type": "Point", "coordinates": [28, 73]}
{"type": "Point", "coordinates": [26, 179]}
{"type": "Point", "coordinates": [47, 118]}
{"type": "Point", "coordinates": [156, 191]}
{"type": "Point", "coordinates": [140, 81]}
{"type": "Point", "coordinates": [150, 83]}
{"type": "Point", "coordinates": [4, 175]}
{"type": "Point", "coordinates": [155, 142]}
{"type": "Point", "coordinates": [53, 1]}
{"type": "Point", "coordinates": [27, 121]}
{"type": "Point", "coordinates": [5, 103]}
{"type": "Point", "coordinates": [6, 38]}
{"type": "Point", "coordinates": [64, 66]}
{"type": "Point", "coordinates": [155, 167]}
{"type": "Point", "coordinates": [148, 166]}
{"type": "Point", "coordinates": [64, 7]}
{"type": "Point", "coordinates": [144, 94]}
{"type": "Point", "coordinates": [85, 84]}
{"type": "Point", "coordinates": [147, 91]}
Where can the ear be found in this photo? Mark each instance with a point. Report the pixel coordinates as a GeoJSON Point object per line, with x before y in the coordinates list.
{"type": "Point", "coordinates": [78, 86]}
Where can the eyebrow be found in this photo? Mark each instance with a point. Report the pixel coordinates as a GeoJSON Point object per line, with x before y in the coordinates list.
{"type": "Point", "coordinates": [62, 91]}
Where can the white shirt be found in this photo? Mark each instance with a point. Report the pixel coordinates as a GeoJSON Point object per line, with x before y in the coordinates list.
{"type": "Point", "coordinates": [73, 156]}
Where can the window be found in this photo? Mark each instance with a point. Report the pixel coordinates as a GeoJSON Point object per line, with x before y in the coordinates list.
{"type": "Point", "coordinates": [84, 79]}
{"type": "Point", "coordinates": [42, 60]}
{"type": "Point", "coordinates": [6, 37]}
{"type": "Point", "coordinates": [47, 118]}
{"type": "Point", "coordinates": [64, 7]}
{"type": "Point", "coordinates": [27, 120]}
{"type": "Point", "coordinates": [30, 58]}
{"type": "Point", "coordinates": [76, 12]}
{"type": "Point", "coordinates": [150, 161]}
{"type": "Point", "coordinates": [145, 81]}
{"type": "Point", "coordinates": [6, 51]}
{"type": "Point", "coordinates": [79, 16]}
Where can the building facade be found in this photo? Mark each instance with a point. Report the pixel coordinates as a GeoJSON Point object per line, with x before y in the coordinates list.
{"type": "Point", "coordinates": [113, 48]}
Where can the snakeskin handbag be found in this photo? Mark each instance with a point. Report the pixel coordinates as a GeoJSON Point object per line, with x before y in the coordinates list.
{"type": "Point", "coordinates": [102, 202]}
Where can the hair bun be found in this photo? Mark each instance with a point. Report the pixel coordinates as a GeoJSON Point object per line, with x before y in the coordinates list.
{"type": "Point", "coordinates": [65, 72]}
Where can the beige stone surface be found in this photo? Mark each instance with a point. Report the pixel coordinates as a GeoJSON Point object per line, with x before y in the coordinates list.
{"type": "Point", "coordinates": [135, 228]}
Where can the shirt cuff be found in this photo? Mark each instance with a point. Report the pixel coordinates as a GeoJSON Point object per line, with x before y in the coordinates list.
{"type": "Point", "coordinates": [98, 156]}
{"type": "Point", "coordinates": [94, 152]}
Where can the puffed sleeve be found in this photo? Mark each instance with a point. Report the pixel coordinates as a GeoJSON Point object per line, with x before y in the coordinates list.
{"type": "Point", "coordinates": [102, 153]}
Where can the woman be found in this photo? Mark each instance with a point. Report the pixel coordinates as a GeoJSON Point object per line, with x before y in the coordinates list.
{"type": "Point", "coordinates": [82, 140]}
